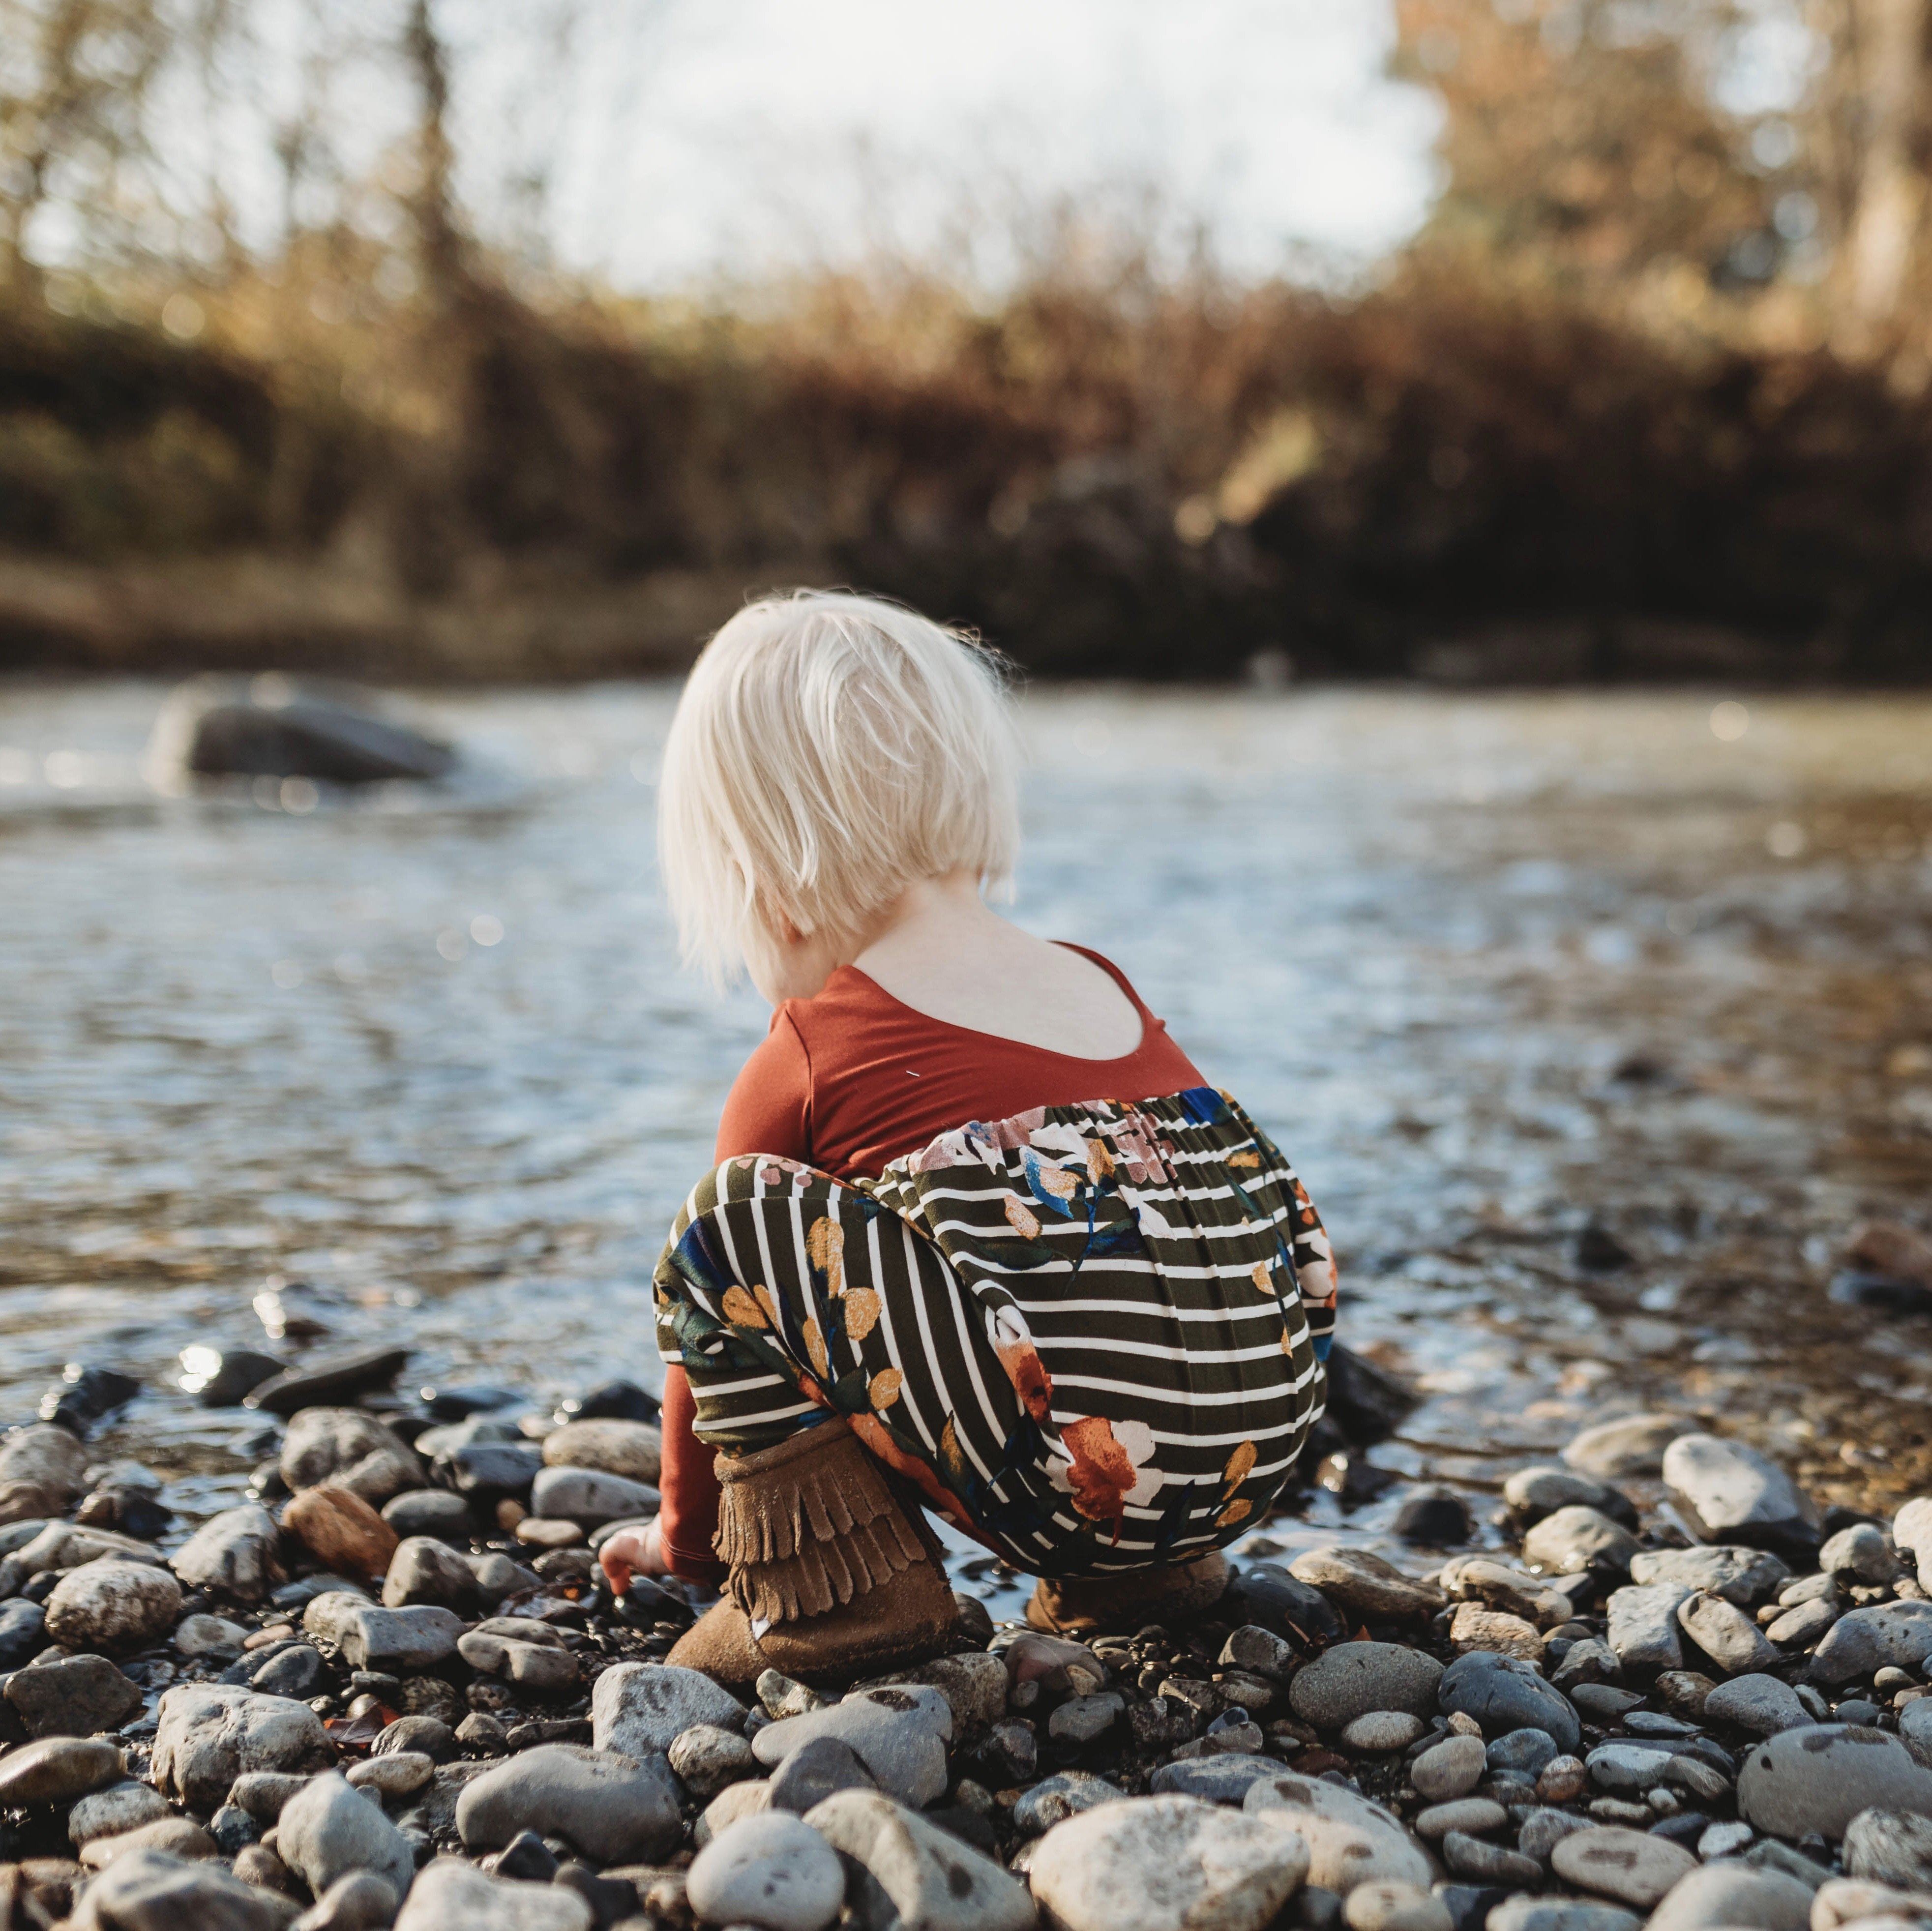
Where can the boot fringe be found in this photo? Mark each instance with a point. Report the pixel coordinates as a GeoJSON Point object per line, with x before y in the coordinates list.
{"type": "Point", "coordinates": [815, 1533]}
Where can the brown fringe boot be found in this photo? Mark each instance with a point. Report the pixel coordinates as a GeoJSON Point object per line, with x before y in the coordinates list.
{"type": "Point", "coordinates": [831, 1577]}
{"type": "Point", "coordinates": [1128, 1599]}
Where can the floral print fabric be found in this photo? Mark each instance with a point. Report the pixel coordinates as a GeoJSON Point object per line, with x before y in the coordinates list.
{"type": "Point", "coordinates": [1091, 1336]}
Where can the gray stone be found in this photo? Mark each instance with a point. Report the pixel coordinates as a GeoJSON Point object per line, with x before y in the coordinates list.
{"type": "Point", "coordinates": [360, 1901]}
{"type": "Point", "coordinates": [237, 1553]}
{"type": "Point", "coordinates": [1223, 1778]}
{"type": "Point", "coordinates": [912, 1872]}
{"type": "Point", "coordinates": [639, 1709]}
{"type": "Point", "coordinates": [1534, 1493]}
{"type": "Point", "coordinates": [349, 1449]}
{"type": "Point", "coordinates": [1351, 1679]}
{"type": "Point", "coordinates": [899, 1741]}
{"type": "Point", "coordinates": [1631, 1866]}
{"type": "Point", "coordinates": [1819, 1778]}
{"type": "Point", "coordinates": [1862, 1553]}
{"type": "Point", "coordinates": [541, 1666]}
{"type": "Point", "coordinates": [1575, 1540]}
{"type": "Point", "coordinates": [1726, 1893]}
{"type": "Point", "coordinates": [57, 1770]}
{"type": "Point", "coordinates": [1629, 1445]}
{"type": "Point", "coordinates": [1559, 1914]}
{"type": "Point", "coordinates": [1081, 1719]}
{"type": "Point", "coordinates": [48, 1456]}
{"type": "Point", "coordinates": [1503, 1694]}
{"type": "Point", "coordinates": [1484, 1863]}
{"type": "Point", "coordinates": [429, 1511]}
{"type": "Point", "coordinates": [974, 1685]}
{"type": "Point", "coordinates": [1383, 1732]}
{"type": "Point", "coordinates": [1762, 1704]}
{"type": "Point", "coordinates": [589, 1496]}
{"type": "Point", "coordinates": [120, 1807]}
{"type": "Point", "coordinates": [68, 1545]}
{"type": "Point", "coordinates": [72, 1696]}
{"type": "Point", "coordinates": [1472, 1816]}
{"type": "Point", "coordinates": [1350, 1840]}
{"type": "Point", "coordinates": [1165, 1863]}
{"type": "Point", "coordinates": [1804, 1623]}
{"type": "Point", "coordinates": [1642, 1626]}
{"type": "Point", "coordinates": [392, 1774]}
{"type": "Point", "coordinates": [1860, 1641]}
{"type": "Point", "coordinates": [401, 1642]}
{"type": "Point", "coordinates": [1258, 1652]}
{"type": "Point", "coordinates": [1915, 1729]}
{"type": "Point", "coordinates": [209, 1733]}
{"type": "Point", "coordinates": [113, 1606]}
{"type": "Point", "coordinates": [632, 1449]}
{"type": "Point", "coordinates": [1527, 1752]}
{"type": "Point", "coordinates": [290, 1669]}
{"type": "Point", "coordinates": [1396, 1907]}
{"type": "Point", "coordinates": [425, 1736]}
{"type": "Point", "coordinates": [1911, 1534]}
{"type": "Point", "coordinates": [1741, 1575]}
{"type": "Point", "coordinates": [214, 1638]}
{"type": "Point", "coordinates": [497, 1576]}
{"type": "Point", "coordinates": [1364, 1586]}
{"type": "Point", "coordinates": [815, 1770]}
{"type": "Point", "coordinates": [706, 1758]}
{"type": "Point", "coordinates": [613, 1809]}
{"type": "Point", "coordinates": [771, 1869]}
{"type": "Point", "coordinates": [327, 1829]}
{"type": "Point", "coordinates": [1543, 1830]}
{"type": "Point", "coordinates": [262, 1793]}
{"type": "Point", "coordinates": [450, 1895]}
{"type": "Point", "coordinates": [1725, 1634]}
{"type": "Point", "coordinates": [1731, 1493]}
{"type": "Point", "coordinates": [734, 1801]}
{"type": "Point", "coordinates": [1890, 1847]}
{"type": "Point", "coordinates": [1626, 1769]}
{"type": "Point", "coordinates": [425, 1569]}
{"type": "Point", "coordinates": [1450, 1769]}
{"type": "Point", "coordinates": [148, 1889]}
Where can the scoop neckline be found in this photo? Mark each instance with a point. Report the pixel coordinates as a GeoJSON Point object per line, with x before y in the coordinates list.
{"type": "Point", "coordinates": [1147, 1019]}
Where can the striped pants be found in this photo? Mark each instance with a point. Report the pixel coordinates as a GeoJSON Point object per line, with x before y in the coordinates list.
{"type": "Point", "coordinates": [1091, 1336]}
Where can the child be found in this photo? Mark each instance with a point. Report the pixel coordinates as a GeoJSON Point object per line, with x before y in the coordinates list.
{"type": "Point", "coordinates": [980, 1236]}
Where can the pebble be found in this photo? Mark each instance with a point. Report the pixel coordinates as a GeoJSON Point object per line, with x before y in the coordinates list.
{"type": "Point", "coordinates": [1915, 1729]}
{"type": "Point", "coordinates": [393, 1773]}
{"type": "Point", "coordinates": [425, 1569]}
{"type": "Point", "coordinates": [1502, 1585]}
{"type": "Point", "coordinates": [146, 1887]}
{"type": "Point", "coordinates": [589, 1496]}
{"type": "Point", "coordinates": [1543, 1830]}
{"type": "Point", "coordinates": [1861, 1642]}
{"type": "Point", "coordinates": [1350, 1841]}
{"type": "Point", "coordinates": [902, 1748]}
{"type": "Point", "coordinates": [1489, 1863]}
{"type": "Point", "coordinates": [1395, 1907]}
{"type": "Point", "coordinates": [351, 1449]}
{"type": "Point", "coordinates": [294, 1669]}
{"type": "Point", "coordinates": [1818, 1778]}
{"type": "Point", "coordinates": [1448, 1770]}
{"type": "Point", "coordinates": [1890, 1847]}
{"type": "Point", "coordinates": [1626, 1769]}
{"type": "Point", "coordinates": [1471, 1816]}
{"type": "Point", "coordinates": [1434, 1517]}
{"type": "Point", "coordinates": [428, 1512]}
{"type": "Point", "coordinates": [1760, 1704]}
{"type": "Point", "coordinates": [633, 1449]}
{"type": "Point", "coordinates": [1642, 1626]}
{"type": "Point", "coordinates": [1741, 1575]}
{"type": "Point", "coordinates": [816, 1770]}
{"type": "Point", "coordinates": [340, 1530]}
{"type": "Point", "coordinates": [1555, 1913]}
{"type": "Point", "coordinates": [734, 1801]}
{"type": "Point", "coordinates": [1534, 1493]}
{"type": "Point", "coordinates": [1054, 1799]}
{"type": "Point", "coordinates": [180, 1836]}
{"type": "Point", "coordinates": [1848, 1901]}
{"type": "Point", "coordinates": [1352, 1679]}
{"type": "Point", "coordinates": [1157, 1863]}
{"type": "Point", "coordinates": [214, 1638]}
{"type": "Point", "coordinates": [209, 1733]}
{"type": "Point", "coordinates": [398, 1641]}
{"type": "Point", "coordinates": [1504, 1694]}
{"type": "Point", "coordinates": [120, 1807]}
{"type": "Point", "coordinates": [771, 1869]}
{"type": "Point", "coordinates": [23, 1633]}
{"type": "Point", "coordinates": [1731, 1493]}
{"type": "Point", "coordinates": [1629, 1445]}
{"type": "Point", "coordinates": [1731, 1893]}
{"type": "Point", "coordinates": [329, 1828]}
{"type": "Point", "coordinates": [1561, 1780]}
{"type": "Point", "coordinates": [1382, 1732]}
{"type": "Point", "coordinates": [638, 1709]}
{"type": "Point", "coordinates": [1632, 1866]}
{"type": "Point", "coordinates": [542, 1667]}
{"type": "Point", "coordinates": [72, 1696]}
{"type": "Point", "coordinates": [613, 1809]}
{"type": "Point", "coordinates": [1863, 1553]}
{"type": "Point", "coordinates": [1805, 1622]}
{"type": "Point", "coordinates": [1266, 1593]}
{"type": "Point", "coordinates": [1912, 1534]}
{"type": "Point", "coordinates": [1526, 1751]}
{"type": "Point", "coordinates": [1725, 1634]}
{"type": "Point", "coordinates": [1364, 1586]}
{"type": "Point", "coordinates": [706, 1757]}
{"type": "Point", "coordinates": [1474, 1628]}
{"type": "Point", "coordinates": [1084, 1720]}
{"type": "Point", "coordinates": [359, 1901]}
{"type": "Point", "coordinates": [237, 1554]}
{"type": "Point", "coordinates": [57, 1770]}
{"type": "Point", "coordinates": [115, 1605]}
{"type": "Point", "coordinates": [262, 1793]}
{"type": "Point", "coordinates": [1576, 1539]}
{"type": "Point", "coordinates": [450, 1895]}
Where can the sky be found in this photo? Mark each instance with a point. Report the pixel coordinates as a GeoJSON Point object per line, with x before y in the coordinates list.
{"type": "Point", "coordinates": [685, 141]}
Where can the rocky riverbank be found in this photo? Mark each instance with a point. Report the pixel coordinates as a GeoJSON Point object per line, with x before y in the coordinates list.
{"type": "Point", "coordinates": [392, 1689]}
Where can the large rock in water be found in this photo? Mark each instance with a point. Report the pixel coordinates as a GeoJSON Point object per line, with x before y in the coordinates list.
{"type": "Point", "coordinates": [268, 727]}
{"type": "Point", "coordinates": [1165, 1863]}
{"type": "Point", "coordinates": [1731, 1493]}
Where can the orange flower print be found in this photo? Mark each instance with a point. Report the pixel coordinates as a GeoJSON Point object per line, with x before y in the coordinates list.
{"type": "Point", "coordinates": [742, 1310]}
{"type": "Point", "coordinates": [1022, 1219]}
{"type": "Point", "coordinates": [825, 1247]}
{"type": "Point", "coordinates": [1105, 1474]}
{"type": "Point", "coordinates": [874, 1434]}
{"type": "Point", "coordinates": [1012, 1342]}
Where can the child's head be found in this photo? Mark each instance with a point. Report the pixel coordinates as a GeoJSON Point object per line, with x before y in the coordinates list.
{"type": "Point", "coordinates": [830, 749]}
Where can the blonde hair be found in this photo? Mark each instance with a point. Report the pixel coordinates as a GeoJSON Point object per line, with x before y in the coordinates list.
{"type": "Point", "coordinates": [828, 751]}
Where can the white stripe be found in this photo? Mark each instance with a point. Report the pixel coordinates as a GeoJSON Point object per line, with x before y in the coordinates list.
{"type": "Point", "coordinates": [1152, 1350]}
{"type": "Point", "coordinates": [774, 1414]}
{"type": "Point", "coordinates": [1141, 1391]}
{"type": "Point", "coordinates": [1269, 1308]}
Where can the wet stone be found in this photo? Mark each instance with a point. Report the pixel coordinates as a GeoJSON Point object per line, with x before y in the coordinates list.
{"type": "Point", "coordinates": [350, 1449]}
{"type": "Point", "coordinates": [1629, 1445]}
{"type": "Point", "coordinates": [236, 1554]}
{"type": "Point", "coordinates": [1575, 1540]}
{"type": "Point", "coordinates": [1725, 1634]}
{"type": "Point", "coordinates": [57, 1770]}
{"type": "Point", "coordinates": [1731, 1493]}
{"type": "Point", "coordinates": [1449, 1769]}
{"type": "Point", "coordinates": [1365, 1587]}
{"type": "Point", "coordinates": [113, 1606]}
{"type": "Point", "coordinates": [1862, 1641]}
{"type": "Point", "coordinates": [1534, 1493]}
{"type": "Point", "coordinates": [1485, 1862]}
{"type": "Point", "coordinates": [292, 1669]}
{"type": "Point", "coordinates": [428, 1512]}
{"type": "Point", "coordinates": [1642, 1626]}
{"type": "Point", "coordinates": [1528, 1751]}
{"type": "Point", "coordinates": [72, 1696]}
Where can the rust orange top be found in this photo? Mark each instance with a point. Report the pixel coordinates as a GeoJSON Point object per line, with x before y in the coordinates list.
{"type": "Point", "coordinates": [848, 1080]}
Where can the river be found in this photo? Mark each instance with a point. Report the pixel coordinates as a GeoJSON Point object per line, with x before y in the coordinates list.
{"type": "Point", "coordinates": [1494, 968]}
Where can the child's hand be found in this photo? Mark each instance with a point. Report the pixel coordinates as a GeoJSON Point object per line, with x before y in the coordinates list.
{"type": "Point", "coordinates": [631, 1552]}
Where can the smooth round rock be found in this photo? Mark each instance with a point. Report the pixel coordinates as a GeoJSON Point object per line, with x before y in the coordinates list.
{"type": "Point", "coordinates": [120, 1807]}
{"type": "Point", "coordinates": [1165, 1863]}
{"type": "Point", "coordinates": [1503, 1694]}
{"type": "Point", "coordinates": [57, 1770]}
{"type": "Point", "coordinates": [1762, 1704]}
{"type": "Point", "coordinates": [639, 1709]}
{"type": "Point", "coordinates": [771, 1869]}
{"type": "Point", "coordinates": [1395, 1907]}
{"type": "Point", "coordinates": [1632, 1866]}
{"type": "Point", "coordinates": [1559, 1914]}
{"type": "Point", "coordinates": [393, 1773]}
{"type": "Point", "coordinates": [1382, 1732]}
{"type": "Point", "coordinates": [237, 1553]}
{"type": "Point", "coordinates": [329, 1828]}
{"type": "Point", "coordinates": [113, 1606]}
{"type": "Point", "coordinates": [1629, 1445]}
{"type": "Point", "coordinates": [927, 1875]}
{"type": "Point", "coordinates": [706, 1757]}
{"type": "Point", "coordinates": [429, 1511]}
{"type": "Point", "coordinates": [1352, 1679]}
{"type": "Point", "coordinates": [1350, 1840]}
{"type": "Point", "coordinates": [1862, 1641]}
{"type": "Point", "coordinates": [1731, 1493]}
{"type": "Point", "coordinates": [631, 1449]}
{"type": "Point", "coordinates": [1819, 1778]}
{"type": "Point", "coordinates": [613, 1809]}
{"type": "Point", "coordinates": [1364, 1586]}
{"type": "Point", "coordinates": [450, 1894]}
{"type": "Point", "coordinates": [1730, 1894]}
{"type": "Point", "coordinates": [1471, 1816]}
{"type": "Point", "coordinates": [1577, 1539]}
{"type": "Point", "coordinates": [340, 1530]}
{"type": "Point", "coordinates": [1890, 1847]}
{"type": "Point", "coordinates": [1448, 1770]}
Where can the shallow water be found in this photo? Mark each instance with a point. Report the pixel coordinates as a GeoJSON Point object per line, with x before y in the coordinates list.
{"type": "Point", "coordinates": [1491, 967]}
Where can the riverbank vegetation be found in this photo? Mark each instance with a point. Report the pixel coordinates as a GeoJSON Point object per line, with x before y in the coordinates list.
{"type": "Point", "coordinates": [1648, 396]}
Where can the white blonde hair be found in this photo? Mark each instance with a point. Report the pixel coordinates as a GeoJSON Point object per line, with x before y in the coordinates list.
{"type": "Point", "coordinates": [828, 751]}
